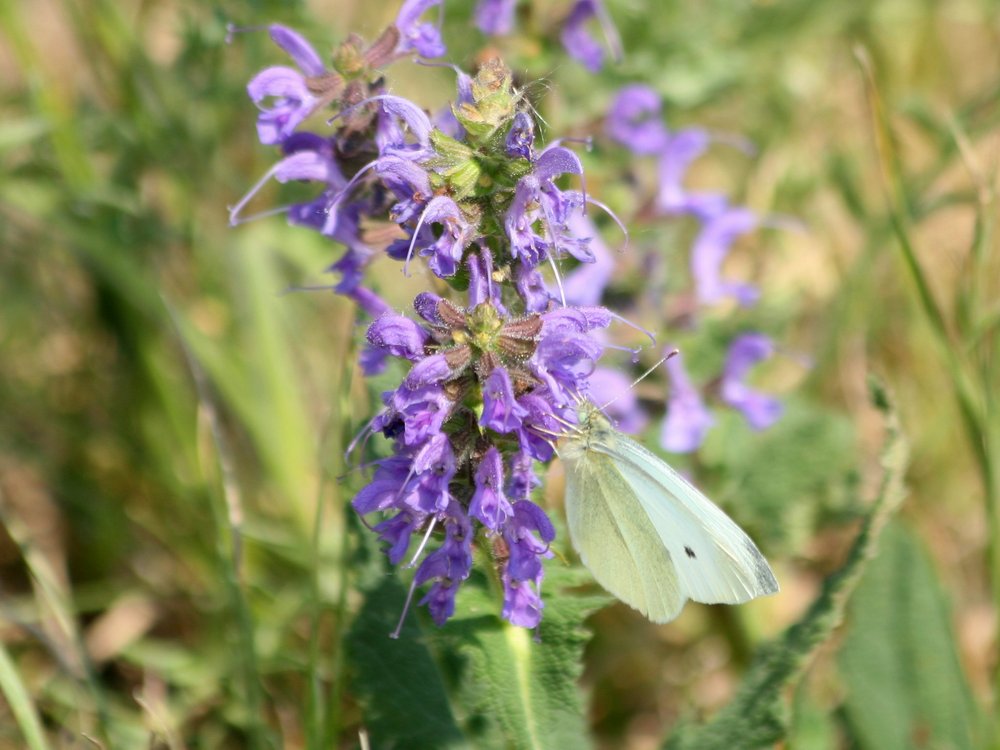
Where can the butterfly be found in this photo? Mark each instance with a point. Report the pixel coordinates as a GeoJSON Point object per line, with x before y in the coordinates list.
{"type": "Point", "coordinates": [647, 534]}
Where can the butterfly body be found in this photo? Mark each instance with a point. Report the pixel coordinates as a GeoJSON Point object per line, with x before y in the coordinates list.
{"type": "Point", "coordinates": [646, 533]}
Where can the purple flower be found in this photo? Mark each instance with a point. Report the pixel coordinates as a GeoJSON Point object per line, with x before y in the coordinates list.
{"type": "Point", "coordinates": [397, 531]}
{"type": "Point", "coordinates": [577, 40]}
{"type": "Point", "coordinates": [287, 90]}
{"type": "Point", "coordinates": [537, 197]}
{"type": "Point", "coordinates": [424, 38]}
{"type": "Point", "coordinates": [386, 486]}
{"type": "Point", "coordinates": [709, 252]}
{"type": "Point", "coordinates": [448, 565]}
{"type": "Point", "coordinates": [522, 602]}
{"type": "Point", "coordinates": [482, 288]}
{"type": "Point", "coordinates": [522, 476]}
{"type": "Point", "coordinates": [688, 420]}
{"type": "Point", "coordinates": [760, 410]}
{"type": "Point", "coordinates": [676, 156]}
{"type": "Point", "coordinates": [423, 411]}
{"type": "Point", "coordinates": [397, 335]}
{"type": "Point", "coordinates": [525, 244]}
{"type": "Point", "coordinates": [488, 503]}
{"type": "Point", "coordinates": [501, 412]}
{"type": "Point", "coordinates": [585, 285]}
{"type": "Point", "coordinates": [445, 252]}
{"type": "Point", "coordinates": [531, 287]}
{"type": "Point", "coordinates": [528, 535]}
{"type": "Point", "coordinates": [635, 121]}
{"type": "Point", "coordinates": [521, 137]}
{"type": "Point", "coordinates": [408, 182]}
{"type": "Point", "coordinates": [495, 17]}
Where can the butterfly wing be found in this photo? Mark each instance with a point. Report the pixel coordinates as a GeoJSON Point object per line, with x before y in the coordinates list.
{"type": "Point", "coordinates": [612, 532]}
{"type": "Point", "coordinates": [713, 558]}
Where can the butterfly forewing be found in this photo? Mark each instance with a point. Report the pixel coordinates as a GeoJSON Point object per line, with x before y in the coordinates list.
{"type": "Point", "coordinates": [612, 533]}
{"type": "Point", "coordinates": [715, 561]}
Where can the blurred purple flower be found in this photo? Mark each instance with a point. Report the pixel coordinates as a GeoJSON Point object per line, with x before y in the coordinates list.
{"type": "Point", "coordinates": [687, 420]}
{"type": "Point", "coordinates": [709, 252]}
{"type": "Point", "coordinates": [585, 284]}
{"type": "Point", "coordinates": [495, 17]}
{"type": "Point", "coordinates": [635, 120]}
{"type": "Point", "coordinates": [423, 38]}
{"type": "Point", "coordinates": [447, 566]}
{"type": "Point", "coordinates": [761, 411]}
{"type": "Point", "coordinates": [576, 37]}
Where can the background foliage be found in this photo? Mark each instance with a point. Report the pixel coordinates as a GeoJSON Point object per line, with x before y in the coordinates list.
{"type": "Point", "coordinates": [178, 566]}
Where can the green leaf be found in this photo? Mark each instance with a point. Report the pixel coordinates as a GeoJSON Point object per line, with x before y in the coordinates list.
{"type": "Point", "coordinates": [397, 680]}
{"type": "Point", "coordinates": [520, 689]}
{"type": "Point", "coordinates": [758, 715]}
{"type": "Point", "coordinates": [905, 686]}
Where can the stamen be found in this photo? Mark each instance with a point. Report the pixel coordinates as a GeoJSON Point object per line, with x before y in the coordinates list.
{"type": "Point", "coordinates": [406, 608]}
{"type": "Point", "coordinates": [559, 284]}
{"type": "Point", "coordinates": [610, 32]}
{"type": "Point", "coordinates": [232, 29]}
{"type": "Point", "coordinates": [423, 543]}
{"type": "Point", "coordinates": [234, 219]}
{"type": "Point", "coordinates": [413, 241]}
{"type": "Point", "coordinates": [364, 434]}
{"type": "Point", "coordinates": [330, 226]}
{"type": "Point", "coordinates": [637, 327]}
{"type": "Point", "coordinates": [614, 218]}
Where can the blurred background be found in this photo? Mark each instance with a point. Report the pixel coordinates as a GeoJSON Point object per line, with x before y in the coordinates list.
{"type": "Point", "coordinates": [159, 389]}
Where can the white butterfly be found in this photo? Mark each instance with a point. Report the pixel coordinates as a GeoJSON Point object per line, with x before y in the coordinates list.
{"type": "Point", "coordinates": [647, 535]}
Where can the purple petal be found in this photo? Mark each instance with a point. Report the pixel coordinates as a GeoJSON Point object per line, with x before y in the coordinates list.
{"type": "Point", "coordinates": [292, 102]}
{"type": "Point", "coordinates": [634, 120]}
{"type": "Point", "coordinates": [501, 412]}
{"type": "Point", "coordinates": [578, 41]}
{"type": "Point", "coordinates": [709, 252]}
{"type": "Point", "coordinates": [522, 605]}
{"type": "Point", "coordinates": [398, 335]}
{"type": "Point", "coordinates": [488, 503]}
{"type": "Point", "coordinates": [585, 284]}
{"type": "Point", "coordinates": [298, 49]}
{"type": "Point", "coordinates": [495, 17]}
{"type": "Point", "coordinates": [557, 161]}
{"type": "Point", "coordinates": [688, 420]}
{"type": "Point", "coordinates": [760, 410]}
{"type": "Point", "coordinates": [425, 38]}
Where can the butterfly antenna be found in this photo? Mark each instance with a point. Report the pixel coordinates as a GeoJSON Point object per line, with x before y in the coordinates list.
{"type": "Point", "coordinates": [672, 353]}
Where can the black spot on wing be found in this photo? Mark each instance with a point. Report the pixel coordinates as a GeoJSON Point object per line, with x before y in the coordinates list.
{"type": "Point", "coordinates": [690, 552]}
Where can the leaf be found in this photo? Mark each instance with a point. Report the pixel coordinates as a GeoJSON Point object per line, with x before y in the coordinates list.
{"type": "Point", "coordinates": [780, 480]}
{"type": "Point", "coordinates": [758, 715]}
{"type": "Point", "coordinates": [397, 680]}
{"type": "Point", "coordinates": [521, 689]}
{"type": "Point", "coordinates": [905, 686]}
